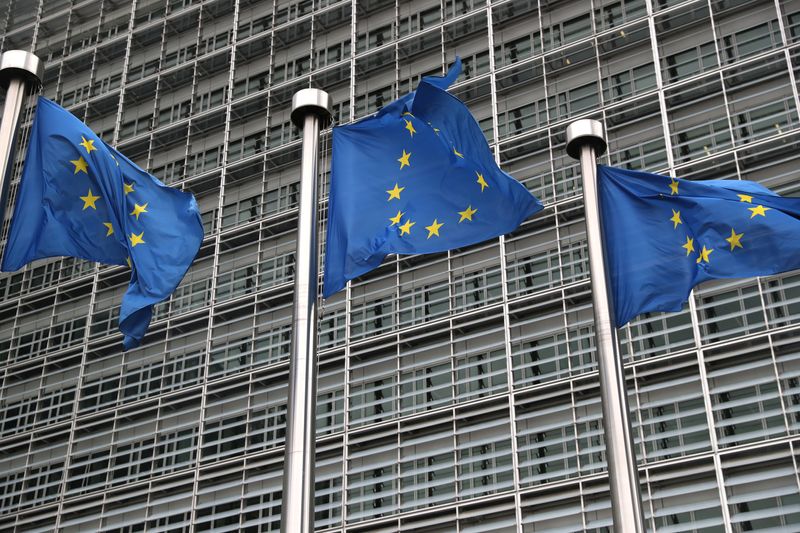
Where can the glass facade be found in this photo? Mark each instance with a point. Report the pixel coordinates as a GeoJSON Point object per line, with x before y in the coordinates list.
{"type": "Point", "coordinates": [457, 391]}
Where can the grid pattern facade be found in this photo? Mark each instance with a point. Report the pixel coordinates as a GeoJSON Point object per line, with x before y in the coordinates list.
{"type": "Point", "coordinates": [457, 391]}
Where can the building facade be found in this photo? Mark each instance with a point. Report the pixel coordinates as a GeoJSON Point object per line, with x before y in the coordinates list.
{"type": "Point", "coordinates": [457, 391]}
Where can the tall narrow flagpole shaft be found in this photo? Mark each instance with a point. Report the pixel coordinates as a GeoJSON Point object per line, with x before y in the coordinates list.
{"type": "Point", "coordinates": [586, 141]}
{"type": "Point", "coordinates": [310, 111]}
{"type": "Point", "coordinates": [19, 70]}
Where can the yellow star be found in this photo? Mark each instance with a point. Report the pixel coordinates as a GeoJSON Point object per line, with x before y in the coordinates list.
{"type": "Point", "coordinates": [410, 128]}
{"type": "Point", "coordinates": [745, 198]}
{"type": "Point", "coordinates": [128, 187]}
{"type": "Point", "coordinates": [406, 228]}
{"type": "Point", "coordinates": [735, 239]}
{"type": "Point", "coordinates": [138, 210]}
{"type": "Point", "coordinates": [89, 200]}
{"type": "Point", "coordinates": [676, 218]}
{"type": "Point", "coordinates": [404, 162]}
{"type": "Point", "coordinates": [80, 165]}
{"type": "Point", "coordinates": [396, 219]}
{"type": "Point", "coordinates": [435, 130]}
{"type": "Point", "coordinates": [88, 144]}
{"type": "Point", "coordinates": [128, 260]}
{"type": "Point", "coordinates": [758, 210]}
{"type": "Point", "coordinates": [704, 254]}
{"type": "Point", "coordinates": [137, 239]}
{"type": "Point", "coordinates": [457, 153]}
{"type": "Point", "coordinates": [673, 185]}
{"type": "Point", "coordinates": [433, 229]}
{"type": "Point", "coordinates": [110, 228]}
{"type": "Point", "coordinates": [481, 181]}
{"type": "Point", "coordinates": [395, 193]}
{"type": "Point", "coordinates": [689, 246]}
{"type": "Point", "coordinates": [407, 114]}
{"type": "Point", "coordinates": [467, 214]}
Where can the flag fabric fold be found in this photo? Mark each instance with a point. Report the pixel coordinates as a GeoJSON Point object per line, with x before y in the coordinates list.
{"type": "Point", "coordinates": [417, 177]}
{"type": "Point", "coordinates": [80, 197]}
{"type": "Point", "coordinates": [662, 236]}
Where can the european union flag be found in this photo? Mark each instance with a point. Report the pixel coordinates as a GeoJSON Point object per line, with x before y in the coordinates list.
{"type": "Point", "coordinates": [79, 197]}
{"type": "Point", "coordinates": [662, 236]}
{"type": "Point", "coordinates": [416, 178]}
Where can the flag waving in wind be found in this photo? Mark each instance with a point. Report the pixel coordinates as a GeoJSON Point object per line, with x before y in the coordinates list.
{"type": "Point", "coordinates": [79, 197]}
{"type": "Point", "coordinates": [418, 177]}
{"type": "Point", "coordinates": [662, 236]}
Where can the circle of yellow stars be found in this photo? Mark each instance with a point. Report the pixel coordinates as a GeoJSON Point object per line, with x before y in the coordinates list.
{"type": "Point", "coordinates": [81, 165]}
{"type": "Point", "coordinates": [395, 192]}
{"type": "Point", "coordinates": [735, 239]}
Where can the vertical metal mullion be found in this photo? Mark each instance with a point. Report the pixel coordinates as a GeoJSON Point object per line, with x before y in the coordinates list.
{"type": "Point", "coordinates": [649, 523]}
{"type": "Point", "coordinates": [6, 15]}
{"type": "Point", "coordinates": [37, 25]}
{"type": "Point", "coordinates": [215, 264]}
{"type": "Point", "coordinates": [442, 53]}
{"type": "Point", "coordinates": [352, 84]}
{"type": "Point", "coordinates": [722, 85]}
{"type": "Point", "coordinates": [454, 439]}
{"type": "Point", "coordinates": [788, 57]}
{"type": "Point", "coordinates": [777, 375]}
{"type": "Point", "coordinates": [581, 488]}
{"type": "Point", "coordinates": [345, 399]}
{"type": "Point", "coordinates": [691, 300]}
{"type": "Point", "coordinates": [124, 76]}
{"type": "Point", "coordinates": [95, 279]}
{"type": "Point", "coordinates": [662, 103]}
{"type": "Point", "coordinates": [640, 432]}
{"type": "Point", "coordinates": [396, 49]}
{"type": "Point", "coordinates": [511, 409]}
{"type": "Point", "coordinates": [157, 96]}
{"type": "Point", "coordinates": [311, 44]}
{"type": "Point", "coordinates": [250, 406]}
{"type": "Point", "coordinates": [268, 114]}
{"type": "Point", "coordinates": [793, 453]}
{"type": "Point", "coordinates": [234, 34]}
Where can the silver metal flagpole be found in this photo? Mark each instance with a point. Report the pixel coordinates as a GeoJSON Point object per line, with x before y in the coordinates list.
{"type": "Point", "coordinates": [19, 71]}
{"type": "Point", "coordinates": [311, 110]}
{"type": "Point", "coordinates": [586, 141]}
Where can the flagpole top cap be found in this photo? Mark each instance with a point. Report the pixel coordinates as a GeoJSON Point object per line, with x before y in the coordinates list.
{"type": "Point", "coordinates": [311, 101]}
{"type": "Point", "coordinates": [583, 132]}
{"type": "Point", "coordinates": [16, 64]}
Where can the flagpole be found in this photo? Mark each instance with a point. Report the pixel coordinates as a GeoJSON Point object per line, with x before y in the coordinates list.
{"type": "Point", "coordinates": [19, 71]}
{"type": "Point", "coordinates": [311, 110]}
{"type": "Point", "coordinates": [586, 141]}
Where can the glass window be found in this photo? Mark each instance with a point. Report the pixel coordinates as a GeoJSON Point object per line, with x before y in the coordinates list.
{"type": "Point", "coordinates": [762, 491]}
{"type": "Point", "coordinates": [745, 398]}
{"type": "Point", "coordinates": [483, 453]}
{"type": "Point", "coordinates": [671, 412]}
{"type": "Point", "coordinates": [480, 365]}
{"type": "Point", "coordinates": [372, 479]}
{"type": "Point", "coordinates": [427, 466]}
{"type": "Point", "coordinates": [546, 442]}
{"type": "Point", "coordinates": [729, 309]}
{"type": "Point", "coordinates": [372, 390]}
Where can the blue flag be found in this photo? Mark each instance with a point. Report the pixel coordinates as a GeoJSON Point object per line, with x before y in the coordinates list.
{"type": "Point", "coordinates": [662, 236]}
{"type": "Point", "coordinates": [79, 197]}
{"type": "Point", "coordinates": [418, 177]}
